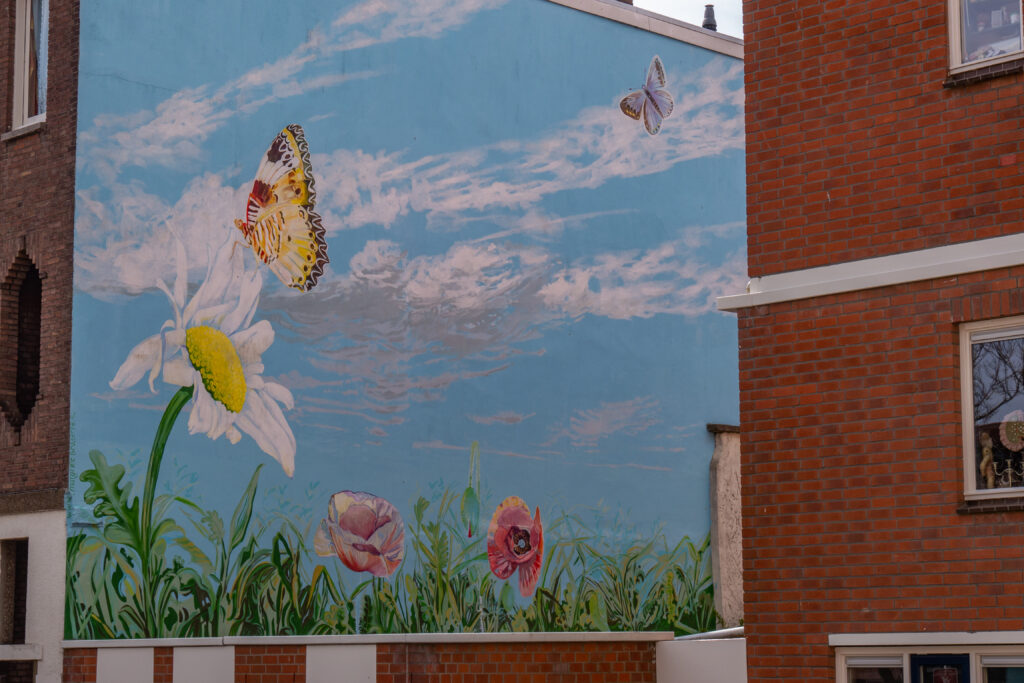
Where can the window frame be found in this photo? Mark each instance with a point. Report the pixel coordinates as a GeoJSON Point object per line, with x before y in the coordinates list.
{"type": "Point", "coordinates": [956, 33]}
{"type": "Point", "coordinates": [20, 117]}
{"type": "Point", "coordinates": [984, 330]}
{"type": "Point", "coordinates": [979, 656]}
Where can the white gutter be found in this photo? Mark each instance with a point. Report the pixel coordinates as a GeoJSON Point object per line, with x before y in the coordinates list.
{"type": "Point", "coordinates": [910, 266]}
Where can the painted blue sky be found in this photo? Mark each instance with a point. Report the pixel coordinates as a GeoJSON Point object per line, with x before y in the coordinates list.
{"type": "Point", "coordinates": [513, 260]}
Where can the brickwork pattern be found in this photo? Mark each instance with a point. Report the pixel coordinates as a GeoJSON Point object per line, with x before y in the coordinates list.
{"type": "Point", "coordinates": [854, 147]}
{"type": "Point", "coordinates": [270, 664]}
{"type": "Point", "coordinates": [37, 174]}
{"type": "Point", "coordinates": [163, 665]}
{"type": "Point", "coordinates": [79, 665]}
{"type": "Point", "coordinates": [852, 471]}
{"type": "Point", "coordinates": [517, 663]}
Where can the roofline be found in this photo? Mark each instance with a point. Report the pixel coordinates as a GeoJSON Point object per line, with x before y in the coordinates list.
{"type": "Point", "coordinates": [656, 23]}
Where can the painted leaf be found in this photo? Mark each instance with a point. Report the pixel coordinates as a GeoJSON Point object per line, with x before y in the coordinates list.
{"type": "Point", "coordinates": [469, 511]}
{"type": "Point", "coordinates": [243, 512]}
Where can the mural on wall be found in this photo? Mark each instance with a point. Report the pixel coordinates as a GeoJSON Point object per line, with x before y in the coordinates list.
{"type": "Point", "coordinates": [521, 284]}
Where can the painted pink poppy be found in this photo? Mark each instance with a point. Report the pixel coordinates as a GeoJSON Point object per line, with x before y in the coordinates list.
{"type": "Point", "coordinates": [515, 541]}
{"type": "Point", "coordinates": [364, 531]}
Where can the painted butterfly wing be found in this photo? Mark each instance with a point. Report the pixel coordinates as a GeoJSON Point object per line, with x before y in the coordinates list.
{"type": "Point", "coordinates": [281, 223]}
{"type": "Point", "coordinates": [652, 118]}
{"type": "Point", "coordinates": [632, 105]}
{"type": "Point", "coordinates": [656, 75]}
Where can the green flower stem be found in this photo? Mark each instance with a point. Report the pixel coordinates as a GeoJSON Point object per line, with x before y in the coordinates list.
{"type": "Point", "coordinates": [156, 456]}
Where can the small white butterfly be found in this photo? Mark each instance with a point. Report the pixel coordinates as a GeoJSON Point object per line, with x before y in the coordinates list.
{"type": "Point", "coordinates": [651, 102]}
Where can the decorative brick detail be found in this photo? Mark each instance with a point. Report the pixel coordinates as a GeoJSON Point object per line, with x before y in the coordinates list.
{"type": "Point", "coordinates": [163, 665]}
{"type": "Point", "coordinates": [852, 467]}
{"type": "Point", "coordinates": [517, 663]}
{"type": "Point", "coordinates": [854, 147]}
{"type": "Point", "coordinates": [270, 664]}
{"type": "Point", "coordinates": [79, 665]}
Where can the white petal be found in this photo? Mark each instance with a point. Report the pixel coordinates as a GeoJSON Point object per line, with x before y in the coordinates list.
{"type": "Point", "coordinates": [262, 419]}
{"type": "Point", "coordinates": [247, 287]}
{"type": "Point", "coordinates": [180, 372]}
{"type": "Point", "coordinates": [234, 436]}
{"type": "Point", "coordinates": [180, 280]}
{"type": "Point", "coordinates": [142, 358]}
{"type": "Point", "coordinates": [279, 393]}
{"type": "Point", "coordinates": [253, 341]}
{"type": "Point", "coordinates": [203, 418]}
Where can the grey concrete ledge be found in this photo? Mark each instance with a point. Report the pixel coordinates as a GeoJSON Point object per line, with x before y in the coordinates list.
{"type": "Point", "coordinates": [21, 652]}
{"type": "Point", "coordinates": [144, 642]}
{"type": "Point", "coordinates": [386, 638]}
{"type": "Point", "coordinates": [657, 23]}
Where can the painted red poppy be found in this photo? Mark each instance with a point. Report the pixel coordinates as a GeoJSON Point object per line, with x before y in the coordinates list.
{"type": "Point", "coordinates": [364, 531]}
{"type": "Point", "coordinates": [515, 541]}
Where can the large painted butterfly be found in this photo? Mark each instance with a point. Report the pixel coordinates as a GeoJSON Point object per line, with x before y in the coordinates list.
{"type": "Point", "coordinates": [651, 102]}
{"type": "Point", "coordinates": [281, 224]}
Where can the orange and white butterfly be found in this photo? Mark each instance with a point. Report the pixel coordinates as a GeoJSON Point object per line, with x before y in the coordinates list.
{"type": "Point", "coordinates": [281, 224]}
{"type": "Point", "coordinates": [651, 102]}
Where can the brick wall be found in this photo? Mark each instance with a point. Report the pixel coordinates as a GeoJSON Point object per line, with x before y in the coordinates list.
{"type": "Point", "coordinates": [270, 664]}
{"type": "Point", "coordinates": [163, 665]}
{"type": "Point", "coordinates": [854, 147]}
{"type": "Point", "coordinates": [36, 216]}
{"type": "Point", "coordinates": [852, 473]}
{"type": "Point", "coordinates": [79, 665]}
{"type": "Point", "coordinates": [517, 663]}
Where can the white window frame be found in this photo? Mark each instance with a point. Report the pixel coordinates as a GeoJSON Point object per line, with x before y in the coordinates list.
{"type": "Point", "coordinates": [980, 655]}
{"type": "Point", "coordinates": [986, 330]}
{"type": "Point", "coordinates": [22, 52]}
{"type": "Point", "coordinates": [956, 32]}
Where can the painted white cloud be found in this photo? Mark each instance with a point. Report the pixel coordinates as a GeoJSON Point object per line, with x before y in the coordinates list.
{"type": "Point", "coordinates": [505, 417]}
{"type": "Point", "coordinates": [600, 144]}
{"type": "Point", "coordinates": [587, 427]}
{"type": "Point", "coordinates": [173, 133]}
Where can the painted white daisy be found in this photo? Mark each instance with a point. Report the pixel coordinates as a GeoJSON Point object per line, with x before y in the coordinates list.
{"type": "Point", "coordinates": [213, 346]}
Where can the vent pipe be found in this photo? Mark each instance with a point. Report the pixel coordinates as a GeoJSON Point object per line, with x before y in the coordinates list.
{"type": "Point", "coordinates": [709, 18]}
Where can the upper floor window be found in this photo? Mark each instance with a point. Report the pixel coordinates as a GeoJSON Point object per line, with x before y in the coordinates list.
{"type": "Point", "coordinates": [992, 390]}
{"type": "Point", "coordinates": [984, 32]}
{"type": "Point", "coordinates": [31, 27]}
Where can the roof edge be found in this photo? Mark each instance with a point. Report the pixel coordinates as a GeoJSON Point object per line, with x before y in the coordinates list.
{"type": "Point", "coordinates": [656, 23]}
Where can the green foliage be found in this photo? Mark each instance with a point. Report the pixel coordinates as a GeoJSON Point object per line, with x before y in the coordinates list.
{"type": "Point", "coordinates": [139, 576]}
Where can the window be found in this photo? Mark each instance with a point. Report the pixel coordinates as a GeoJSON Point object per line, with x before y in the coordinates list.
{"type": "Point", "coordinates": [30, 55]}
{"type": "Point", "coordinates": [931, 663]}
{"type": "Point", "coordinates": [984, 32]}
{"type": "Point", "coordinates": [992, 396]}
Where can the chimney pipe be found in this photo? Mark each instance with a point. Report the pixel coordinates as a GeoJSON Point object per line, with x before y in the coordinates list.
{"type": "Point", "coordinates": [709, 18]}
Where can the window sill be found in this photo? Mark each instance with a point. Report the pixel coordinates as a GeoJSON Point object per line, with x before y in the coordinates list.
{"type": "Point", "coordinates": [28, 129]}
{"type": "Point", "coordinates": [986, 505]}
{"type": "Point", "coordinates": [26, 652]}
{"type": "Point", "coordinates": [984, 73]}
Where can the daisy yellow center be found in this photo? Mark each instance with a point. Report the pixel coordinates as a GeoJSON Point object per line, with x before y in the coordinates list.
{"type": "Point", "coordinates": [217, 361]}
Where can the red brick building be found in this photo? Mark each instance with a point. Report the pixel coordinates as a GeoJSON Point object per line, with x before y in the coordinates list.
{"type": "Point", "coordinates": [38, 89]}
{"type": "Point", "coordinates": [882, 489]}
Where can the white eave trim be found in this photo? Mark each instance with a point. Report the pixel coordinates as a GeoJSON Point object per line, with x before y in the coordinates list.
{"type": "Point", "coordinates": [911, 266]}
{"type": "Point", "coordinates": [935, 639]}
{"type": "Point", "coordinates": [656, 23]}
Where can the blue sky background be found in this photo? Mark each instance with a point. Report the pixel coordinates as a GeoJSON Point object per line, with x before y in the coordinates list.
{"type": "Point", "coordinates": [550, 267]}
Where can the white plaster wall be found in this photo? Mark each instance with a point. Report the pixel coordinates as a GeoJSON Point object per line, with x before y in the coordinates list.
{"type": "Point", "coordinates": [203, 664]}
{"type": "Point", "coordinates": [124, 664]}
{"type": "Point", "coordinates": [727, 529]}
{"type": "Point", "coordinates": [331, 663]}
{"type": "Point", "coordinates": [44, 623]}
{"type": "Point", "coordinates": [702, 661]}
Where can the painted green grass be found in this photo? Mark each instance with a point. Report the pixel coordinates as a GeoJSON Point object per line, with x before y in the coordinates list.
{"type": "Point", "coordinates": [139, 577]}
